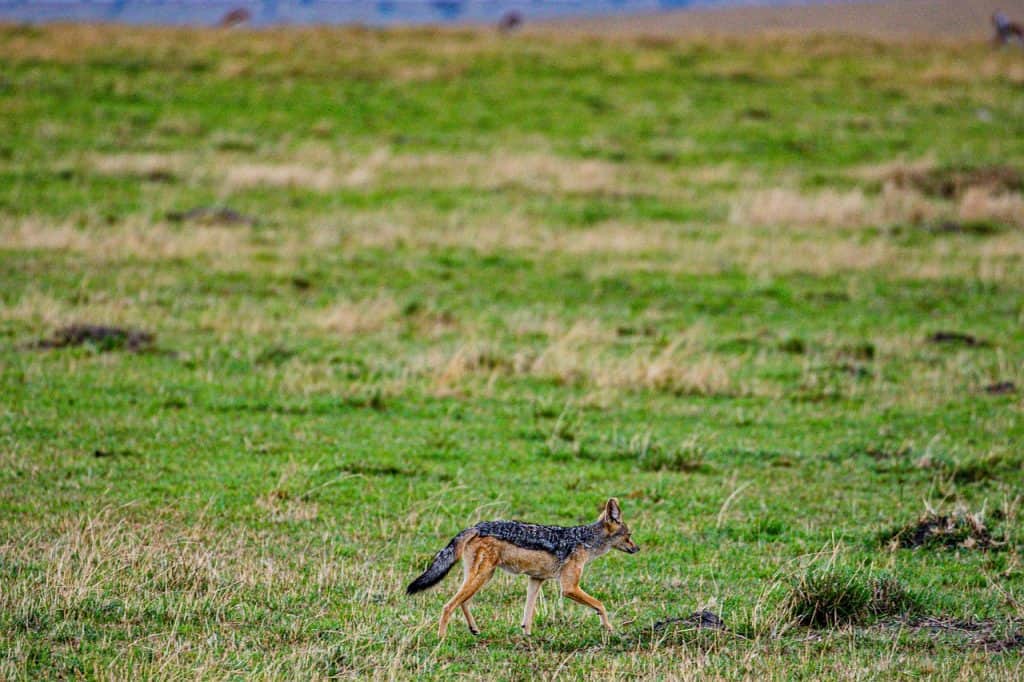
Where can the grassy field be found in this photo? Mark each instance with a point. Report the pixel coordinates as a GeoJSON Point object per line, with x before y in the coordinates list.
{"type": "Point", "coordinates": [470, 278]}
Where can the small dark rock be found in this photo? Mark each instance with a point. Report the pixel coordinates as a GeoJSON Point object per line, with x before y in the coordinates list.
{"type": "Point", "coordinates": [958, 338]}
{"type": "Point", "coordinates": [756, 114]}
{"type": "Point", "coordinates": [702, 620]}
{"type": "Point", "coordinates": [211, 215]}
{"type": "Point", "coordinates": [105, 338]}
{"type": "Point", "coordinates": [160, 176]}
{"type": "Point", "coordinates": [100, 454]}
{"type": "Point", "coordinates": [1001, 388]}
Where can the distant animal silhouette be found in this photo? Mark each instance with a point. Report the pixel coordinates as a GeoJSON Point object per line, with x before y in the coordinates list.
{"type": "Point", "coordinates": [235, 17]}
{"type": "Point", "coordinates": [510, 21]}
{"type": "Point", "coordinates": [1006, 30]}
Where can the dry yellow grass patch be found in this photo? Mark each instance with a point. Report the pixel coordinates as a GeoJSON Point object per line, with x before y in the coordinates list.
{"type": "Point", "coordinates": [615, 238]}
{"type": "Point", "coordinates": [107, 554]}
{"type": "Point", "coordinates": [831, 208]}
{"type": "Point", "coordinates": [153, 166]}
{"type": "Point", "coordinates": [135, 238]}
{"type": "Point", "coordinates": [101, 555]}
{"type": "Point", "coordinates": [539, 171]}
{"type": "Point", "coordinates": [282, 507]}
{"type": "Point", "coordinates": [349, 318]}
{"type": "Point", "coordinates": [44, 313]}
{"type": "Point", "coordinates": [246, 175]}
{"type": "Point", "coordinates": [398, 229]}
{"type": "Point", "coordinates": [38, 309]}
{"type": "Point", "coordinates": [226, 319]}
{"type": "Point", "coordinates": [365, 171]}
{"type": "Point", "coordinates": [789, 207]}
{"type": "Point", "coordinates": [525, 323]}
{"type": "Point", "coordinates": [545, 172]}
{"type": "Point", "coordinates": [719, 173]}
{"type": "Point", "coordinates": [979, 203]}
{"type": "Point", "coordinates": [585, 355]}
{"type": "Point", "coordinates": [468, 360]}
{"type": "Point", "coordinates": [894, 170]}
{"type": "Point", "coordinates": [674, 370]}
{"type": "Point", "coordinates": [949, 70]}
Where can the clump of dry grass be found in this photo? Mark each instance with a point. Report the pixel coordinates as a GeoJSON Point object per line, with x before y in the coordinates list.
{"type": "Point", "coordinates": [248, 175]}
{"type": "Point", "coordinates": [540, 171]}
{"type": "Point", "coordinates": [149, 166]}
{"type": "Point", "coordinates": [135, 237]}
{"type": "Point", "coordinates": [474, 359]}
{"type": "Point", "coordinates": [787, 207]}
{"type": "Point", "coordinates": [895, 170]}
{"type": "Point", "coordinates": [960, 529]}
{"type": "Point", "coordinates": [981, 204]}
{"type": "Point", "coordinates": [281, 506]}
{"type": "Point", "coordinates": [585, 356]}
{"type": "Point", "coordinates": [897, 203]}
{"type": "Point", "coordinates": [671, 371]}
{"type": "Point", "coordinates": [353, 317]}
{"type": "Point", "coordinates": [832, 208]}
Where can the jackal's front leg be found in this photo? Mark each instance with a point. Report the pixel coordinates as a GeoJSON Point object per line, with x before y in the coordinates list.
{"type": "Point", "coordinates": [570, 581]}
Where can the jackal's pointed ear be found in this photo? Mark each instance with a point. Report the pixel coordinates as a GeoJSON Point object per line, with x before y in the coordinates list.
{"type": "Point", "coordinates": [612, 511]}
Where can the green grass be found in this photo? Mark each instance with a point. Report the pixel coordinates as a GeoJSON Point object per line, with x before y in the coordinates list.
{"type": "Point", "coordinates": [506, 278]}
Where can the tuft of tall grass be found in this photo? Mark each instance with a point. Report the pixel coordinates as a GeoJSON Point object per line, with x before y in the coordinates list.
{"type": "Point", "coordinates": [828, 597]}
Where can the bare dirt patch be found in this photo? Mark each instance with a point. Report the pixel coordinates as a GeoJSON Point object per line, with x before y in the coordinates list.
{"type": "Point", "coordinates": [1014, 642]}
{"type": "Point", "coordinates": [990, 636]}
{"type": "Point", "coordinates": [953, 183]}
{"type": "Point", "coordinates": [104, 338]}
{"type": "Point", "coordinates": [700, 620]}
{"type": "Point", "coordinates": [957, 530]}
{"type": "Point", "coordinates": [211, 215]}
{"type": "Point", "coordinates": [958, 338]}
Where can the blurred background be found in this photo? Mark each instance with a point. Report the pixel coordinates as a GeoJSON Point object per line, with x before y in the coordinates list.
{"type": "Point", "coordinates": [921, 17]}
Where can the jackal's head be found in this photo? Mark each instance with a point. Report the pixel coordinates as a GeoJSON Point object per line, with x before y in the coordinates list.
{"type": "Point", "coordinates": [617, 532]}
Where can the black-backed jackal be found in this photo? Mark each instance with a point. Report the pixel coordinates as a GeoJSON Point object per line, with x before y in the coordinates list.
{"type": "Point", "coordinates": [541, 552]}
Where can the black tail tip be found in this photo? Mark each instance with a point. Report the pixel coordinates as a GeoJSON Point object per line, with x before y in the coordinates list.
{"type": "Point", "coordinates": [417, 585]}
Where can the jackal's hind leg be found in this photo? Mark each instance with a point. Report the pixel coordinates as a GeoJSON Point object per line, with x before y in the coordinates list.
{"type": "Point", "coordinates": [477, 574]}
{"type": "Point", "coordinates": [470, 621]}
{"type": "Point", "coordinates": [532, 590]}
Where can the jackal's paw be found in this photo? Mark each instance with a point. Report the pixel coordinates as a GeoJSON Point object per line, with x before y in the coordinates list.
{"type": "Point", "coordinates": [475, 632]}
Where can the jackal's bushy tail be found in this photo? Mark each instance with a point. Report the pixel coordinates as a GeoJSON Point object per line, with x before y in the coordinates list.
{"type": "Point", "coordinates": [439, 567]}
